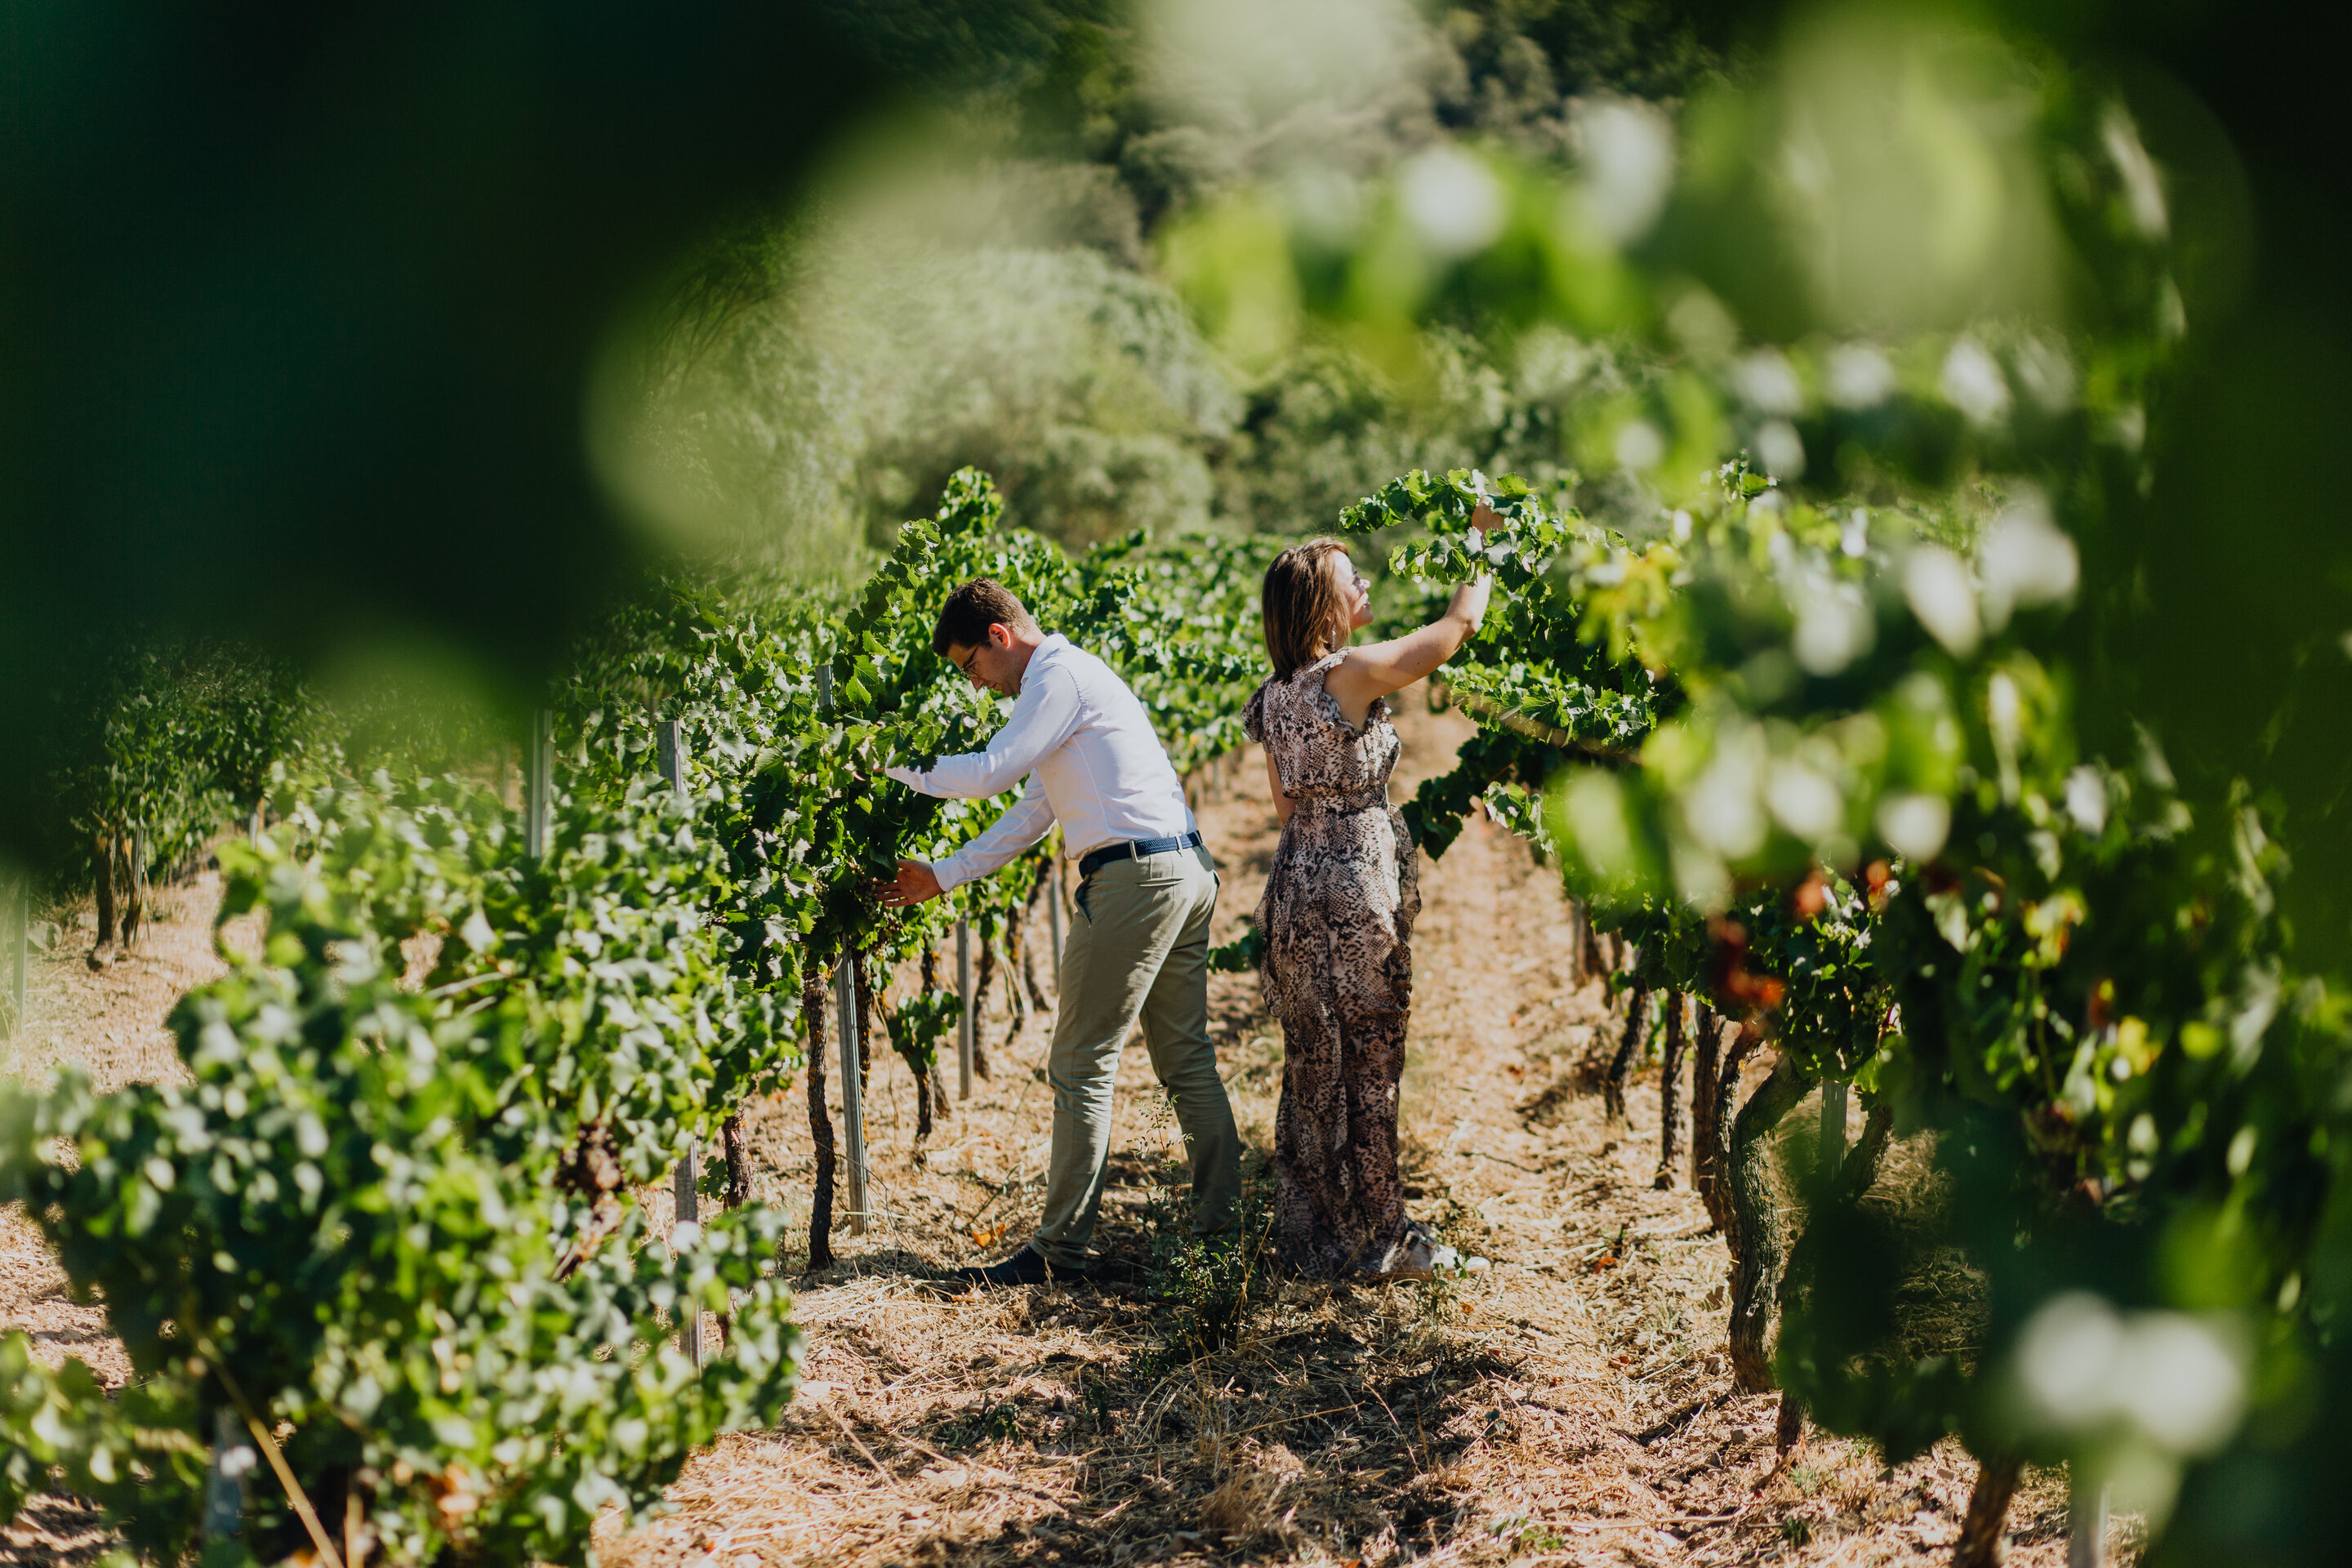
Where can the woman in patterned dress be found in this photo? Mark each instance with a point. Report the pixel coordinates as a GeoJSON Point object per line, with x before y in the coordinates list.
{"type": "Point", "coordinates": [1339, 909]}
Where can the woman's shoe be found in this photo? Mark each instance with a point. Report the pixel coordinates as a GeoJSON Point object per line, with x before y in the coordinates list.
{"type": "Point", "coordinates": [1420, 1256]}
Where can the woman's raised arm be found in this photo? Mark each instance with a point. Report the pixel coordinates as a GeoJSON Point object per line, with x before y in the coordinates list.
{"type": "Point", "coordinates": [1376, 669]}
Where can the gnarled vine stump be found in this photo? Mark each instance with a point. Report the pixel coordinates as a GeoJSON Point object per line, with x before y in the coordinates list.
{"type": "Point", "coordinates": [813, 1001]}
{"type": "Point", "coordinates": [1757, 1245]}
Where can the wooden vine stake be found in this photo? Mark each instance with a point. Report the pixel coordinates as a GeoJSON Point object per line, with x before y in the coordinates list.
{"type": "Point", "coordinates": [964, 1018]}
{"type": "Point", "coordinates": [683, 1184]}
{"type": "Point", "coordinates": [686, 1181]}
{"type": "Point", "coordinates": [137, 920]}
{"type": "Point", "coordinates": [1832, 1127]}
{"type": "Point", "coordinates": [844, 1007]}
{"type": "Point", "coordinates": [22, 959]}
{"type": "Point", "coordinates": [853, 1096]}
{"type": "Point", "coordinates": [538, 785]}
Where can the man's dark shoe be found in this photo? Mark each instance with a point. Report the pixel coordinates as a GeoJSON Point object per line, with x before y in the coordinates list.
{"type": "Point", "coordinates": [1026, 1266]}
{"type": "Point", "coordinates": [1116, 1270]}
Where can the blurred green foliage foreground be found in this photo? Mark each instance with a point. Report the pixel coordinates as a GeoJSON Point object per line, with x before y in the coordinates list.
{"type": "Point", "coordinates": [297, 306]}
{"type": "Point", "coordinates": [1984, 570]}
{"type": "Point", "coordinates": [302, 311]}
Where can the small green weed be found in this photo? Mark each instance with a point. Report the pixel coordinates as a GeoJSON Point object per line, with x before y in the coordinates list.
{"type": "Point", "coordinates": [1206, 1286]}
{"type": "Point", "coordinates": [1102, 1401]}
{"type": "Point", "coordinates": [995, 1423]}
{"type": "Point", "coordinates": [1526, 1534]}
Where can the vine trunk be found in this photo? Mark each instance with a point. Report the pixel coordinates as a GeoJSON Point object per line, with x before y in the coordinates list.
{"type": "Point", "coordinates": [819, 1245]}
{"type": "Point", "coordinates": [1707, 1113]}
{"type": "Point", "coordinates": [1621, 1067]}
{"type": "Point", "coordinates": [1669, 1087]}
{"type": "Point", "coordinates": [1980, 1545]}
{"type": "Point", "coordinates": [1755, 1232]}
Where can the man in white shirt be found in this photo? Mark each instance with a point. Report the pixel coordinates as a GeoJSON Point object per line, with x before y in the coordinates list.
{"type": "Point", "coordinates": [1147, 889]}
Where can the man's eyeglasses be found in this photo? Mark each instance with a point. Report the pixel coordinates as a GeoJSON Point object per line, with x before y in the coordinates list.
{"type": "Point", "coordinates": [965, 664]}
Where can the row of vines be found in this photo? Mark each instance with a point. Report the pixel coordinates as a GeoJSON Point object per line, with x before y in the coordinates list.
{"type": "Point", "coordinates": [1844, 743]}
{"type": "Point", "coordinates": [156, 748]}
{"type": "Point", "coordinates": [1817, 764]}
{"type": "Point", "coordinates": [396, 1210]}
{"type": "Point", "coordinates": [382, 1262]}
{"type": "Point", "coordinates": [1852, 739]}
{"type": "Point", "coordinates": [1896, 874]}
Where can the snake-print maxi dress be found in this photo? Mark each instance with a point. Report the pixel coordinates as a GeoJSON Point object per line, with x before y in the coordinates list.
{"type": "Point", "coordinates": [1337, 919]}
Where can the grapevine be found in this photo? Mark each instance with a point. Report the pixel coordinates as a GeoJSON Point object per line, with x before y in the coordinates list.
{"type": "Point", "coordinates": [396, 1205]}
{"type": "Point", "coordinates": [1907, 878]}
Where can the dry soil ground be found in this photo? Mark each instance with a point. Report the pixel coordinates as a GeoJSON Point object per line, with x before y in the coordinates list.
{"type": "Point", "coordinates": [1550, 1409]}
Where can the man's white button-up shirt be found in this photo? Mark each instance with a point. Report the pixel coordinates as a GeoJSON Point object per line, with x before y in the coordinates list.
{"type": "Point", "coordinates": [1084, 744]}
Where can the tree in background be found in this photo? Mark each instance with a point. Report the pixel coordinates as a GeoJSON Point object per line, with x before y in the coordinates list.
{"type": "Point", "coordinates": [988, 290]}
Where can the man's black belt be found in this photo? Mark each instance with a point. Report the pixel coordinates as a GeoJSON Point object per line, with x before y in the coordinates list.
{"type": "Point", "coordinates": [1135, 849]}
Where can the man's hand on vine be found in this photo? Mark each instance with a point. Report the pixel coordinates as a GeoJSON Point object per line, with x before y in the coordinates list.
{"type": "Point", "coordinates": [915, 882]}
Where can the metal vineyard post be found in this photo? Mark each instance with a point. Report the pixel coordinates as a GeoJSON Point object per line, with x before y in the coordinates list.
{"type": "Point", "coordinates": [853, 1107]}
{"type": "Point", "coordinates": [138, 925]}
{"type": "Point", "coordinates": [1054, 914]}
{"type": "Point", "coordinates": [224, 1491]}
{"type": "Point", "coordinates": [2086, 1508]}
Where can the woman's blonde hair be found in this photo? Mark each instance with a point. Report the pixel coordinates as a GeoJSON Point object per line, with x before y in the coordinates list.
{"type": "Point", "coordinates": [1306, 613]}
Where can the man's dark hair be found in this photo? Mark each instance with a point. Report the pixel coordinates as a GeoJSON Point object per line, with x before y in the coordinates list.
{"type": "Point", "coordinates": [972, 609]}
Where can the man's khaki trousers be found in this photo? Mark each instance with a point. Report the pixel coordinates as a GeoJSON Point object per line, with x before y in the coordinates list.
{"type": "Point", "coordinates": [1138, 947]}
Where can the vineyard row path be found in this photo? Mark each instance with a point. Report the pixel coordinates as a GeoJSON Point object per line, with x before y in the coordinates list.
{"type": "Point", "coordinates": [1559, 1407]}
